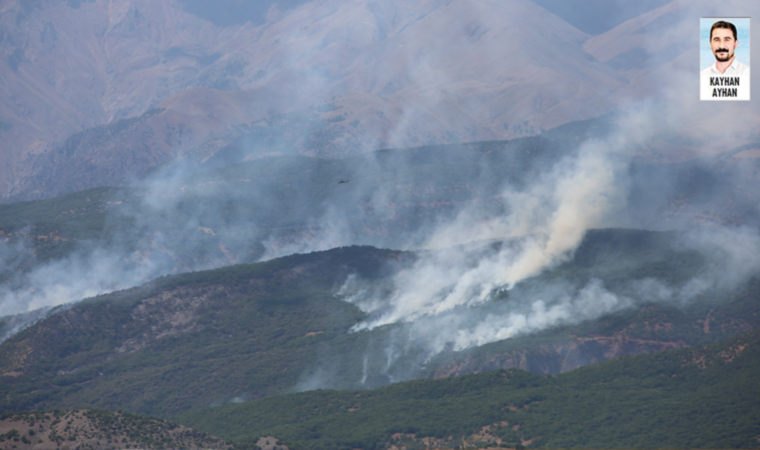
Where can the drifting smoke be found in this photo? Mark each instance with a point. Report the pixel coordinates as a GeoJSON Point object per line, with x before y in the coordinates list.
{"type": "Point", "coordinates": [548, 220]}
{"type": "Point", "coordinates": [450, 297]}
{"type": "Point", "coordinates": [733, 257]}
{"type": "Point", "coordinates": [433, 322]}
{"type": "Point", "coordinates": [90, 271]}
{"type": "Point", "coordinates": [82, 275]}
{"type": "Point", "coordinates": [559, 308]}
{"type": "Point", "coordinates": [461, 292]}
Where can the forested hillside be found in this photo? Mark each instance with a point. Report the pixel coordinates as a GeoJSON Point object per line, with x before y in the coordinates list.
{"type": "Point", "coordinates": [703, 397]}
{"type": "Point", "coordinates": [187, 341]}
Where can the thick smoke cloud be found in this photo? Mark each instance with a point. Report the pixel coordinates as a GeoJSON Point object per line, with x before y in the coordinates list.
{"type": "Point", "coordinates": [544, 223]}
{"type": "Point", "coordinates": [86, 273]}
{"type": "Point", "coordinates": [453, 295]}
{"type": "Point", "coordinates": [550, 217]}
{"type": "Point", "coordinates": [434, 326]}
{"type": "Point", "coordinates": [447, 300]}
{"type": "Point", "coordinates": [560, 308]}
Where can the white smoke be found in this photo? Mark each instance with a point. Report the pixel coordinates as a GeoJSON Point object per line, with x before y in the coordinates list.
{"type": "Point", "coordinates": [591, 302]}
{"type": "Point", "coordinates": [82, 275]}
{"type": "Point", "coordinates": [547, 220]}
{"type": "Point", "coordinates": [733, 256]}
{"type": "Point", "coordinates": [543, 223]}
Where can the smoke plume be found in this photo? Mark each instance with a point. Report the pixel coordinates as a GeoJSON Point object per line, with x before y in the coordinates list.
{"type": "Point", "coordinates": [480, 259]}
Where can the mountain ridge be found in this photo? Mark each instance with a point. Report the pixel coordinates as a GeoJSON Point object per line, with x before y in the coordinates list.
{"type": "Point", "coordinates": [645, 401]}
{"type": "Point", "coordinates": [189, 340]}
{"type": "Point", "coordinates": [390, 79]}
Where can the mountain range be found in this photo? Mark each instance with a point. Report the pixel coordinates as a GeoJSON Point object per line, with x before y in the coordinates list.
{"type": "Point", "coordinates": [242, 332]}
{"type": "Point", "coordinates": [112, 90]}
{"type": "Point", "coordinates": [373, 225]}
{"type": "Point", "coordinates": [97, 240]}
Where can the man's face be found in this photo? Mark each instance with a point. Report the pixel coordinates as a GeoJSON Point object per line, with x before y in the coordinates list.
{"type": "Point", "coordinates": [723, 44]}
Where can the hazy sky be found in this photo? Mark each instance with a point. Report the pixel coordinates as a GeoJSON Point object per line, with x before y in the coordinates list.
{"type": "Point", "coordinates": [590, 16]}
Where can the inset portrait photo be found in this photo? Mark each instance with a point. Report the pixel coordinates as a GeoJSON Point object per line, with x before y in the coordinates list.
{"type": "Point", "coordinates": [724, 58]}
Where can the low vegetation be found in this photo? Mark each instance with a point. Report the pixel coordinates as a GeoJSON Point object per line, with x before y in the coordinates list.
{"type": "Point", "coordinates": [243, 332]}
{"type": "Point", "coordinates": [95, 429]}
{"type": "Point", "coordinates": [703, 397]}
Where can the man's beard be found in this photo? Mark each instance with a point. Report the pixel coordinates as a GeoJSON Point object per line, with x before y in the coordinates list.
{"type": "Point", "coordinates": [724, 55]}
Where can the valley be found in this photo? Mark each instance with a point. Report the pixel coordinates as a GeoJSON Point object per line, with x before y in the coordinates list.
{"type": "Point", "coordinates": [375, 225]}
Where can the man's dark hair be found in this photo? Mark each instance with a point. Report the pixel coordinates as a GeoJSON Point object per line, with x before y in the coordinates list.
{"type": "Point", "coordinates": [722, 24]}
